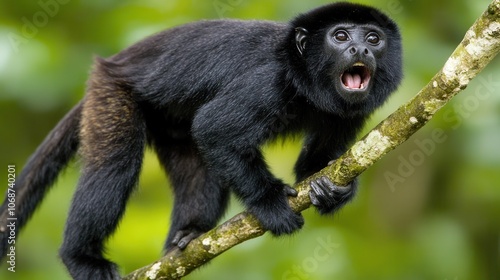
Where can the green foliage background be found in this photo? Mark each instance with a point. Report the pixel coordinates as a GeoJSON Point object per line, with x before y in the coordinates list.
{"type": "Point", "coordinates": [436, 217]}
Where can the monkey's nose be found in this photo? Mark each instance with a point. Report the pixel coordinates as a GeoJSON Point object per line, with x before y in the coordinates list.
{"type": "Point", "coordinates": [354, 50]}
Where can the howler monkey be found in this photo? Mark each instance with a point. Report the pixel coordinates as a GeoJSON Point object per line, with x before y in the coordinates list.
{"type": "Point", "coordinates": [206, 96]}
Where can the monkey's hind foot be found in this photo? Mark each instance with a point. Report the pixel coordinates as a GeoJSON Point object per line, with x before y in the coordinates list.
{"type": "Point", "coordinates": [183, 237]}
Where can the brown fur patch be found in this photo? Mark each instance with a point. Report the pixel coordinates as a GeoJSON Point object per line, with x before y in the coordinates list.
{"type": "Point", "coordinates": [109, 118]}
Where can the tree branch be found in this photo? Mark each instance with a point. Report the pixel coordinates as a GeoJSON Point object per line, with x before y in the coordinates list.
{"type": "Point", "coordinates": [480, 45]}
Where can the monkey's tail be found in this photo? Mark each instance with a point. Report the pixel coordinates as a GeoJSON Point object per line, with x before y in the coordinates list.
{"type": "Point", "coordinates": [37, 177]}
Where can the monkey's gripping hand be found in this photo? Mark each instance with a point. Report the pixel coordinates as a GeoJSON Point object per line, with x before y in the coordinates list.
{"type": "Point", "coordinates": [328, 197]}
{"type": "Point", "coordinates": [275, 214]}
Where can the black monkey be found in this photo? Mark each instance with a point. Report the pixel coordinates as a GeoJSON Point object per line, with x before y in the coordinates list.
{"type": "Point", "coordinates": [206, 96]}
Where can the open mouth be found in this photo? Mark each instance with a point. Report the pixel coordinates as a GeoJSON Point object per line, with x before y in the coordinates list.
{"type": "Point", "coordinates": [356, 77]}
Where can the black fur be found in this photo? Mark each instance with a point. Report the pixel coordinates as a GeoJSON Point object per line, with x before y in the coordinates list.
{"type": "Point", "coordinates": [206, 96]}
{"type": "Point", "coordinates": [40, 172]}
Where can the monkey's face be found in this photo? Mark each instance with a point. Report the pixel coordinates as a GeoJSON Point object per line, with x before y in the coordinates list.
{"type": "Point", "coordinates": [354, 51]}
{"type": "Point", "coordinates": [348, 59]}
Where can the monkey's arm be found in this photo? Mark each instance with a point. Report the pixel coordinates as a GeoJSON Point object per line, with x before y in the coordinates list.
{"type": "Point", "coordinates": [229, 132]}
{"type": "Point", "coordinates": [330, 139]}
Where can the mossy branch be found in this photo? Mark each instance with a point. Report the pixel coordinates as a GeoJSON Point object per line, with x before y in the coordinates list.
{"type": "Point", "coordinates": [480, 45]}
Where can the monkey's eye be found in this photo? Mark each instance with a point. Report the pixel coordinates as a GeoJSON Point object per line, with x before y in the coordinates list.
{"type": "Point", "coordinates": [373, 38]}
{"type": "Point", "coordinates": [341, 36]}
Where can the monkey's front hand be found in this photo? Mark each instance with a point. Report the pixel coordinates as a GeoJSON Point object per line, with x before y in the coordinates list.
{"type": "Point", "coordinates": [328, 197]}
{"type": "Point", "coordinates": [275, 214]}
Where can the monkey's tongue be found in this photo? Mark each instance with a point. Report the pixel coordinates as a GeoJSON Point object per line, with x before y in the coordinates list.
{"type": "Point", "coordinates": [352, 81]}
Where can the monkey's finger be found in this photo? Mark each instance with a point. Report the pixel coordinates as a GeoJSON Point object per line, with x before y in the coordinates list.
{"type": "Point", "coordinates": [186, 239]}
{"type": "Point", "coordinates": [333, 187]}
{"type": "Point", "coordinates": [289, 191]}
{"type": "Point", "coordinates": [318, 193]}
{"type": "Point", "coordinates": [314, 199]}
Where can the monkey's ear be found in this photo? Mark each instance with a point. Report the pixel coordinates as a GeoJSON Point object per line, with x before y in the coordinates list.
{"type": "Point", "coordinates": [300, 39]}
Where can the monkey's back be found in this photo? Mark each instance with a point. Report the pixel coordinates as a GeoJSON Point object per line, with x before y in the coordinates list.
{"type": "Point", "coordinates": [186, 64]}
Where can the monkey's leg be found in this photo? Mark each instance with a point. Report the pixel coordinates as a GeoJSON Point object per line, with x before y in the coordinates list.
{"type": "Point", "coordinates": [113, 139]}
{"type": "Point", "coordinates": [200, 199]}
